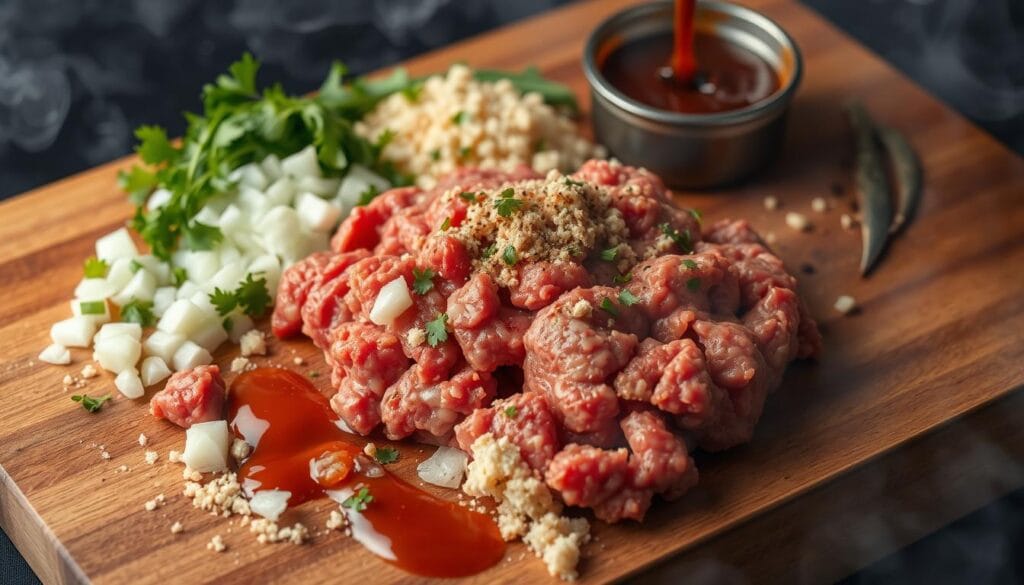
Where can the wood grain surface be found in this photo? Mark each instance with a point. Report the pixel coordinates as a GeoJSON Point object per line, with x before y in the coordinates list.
{"type": "Point", "coordinates": [932, 359]}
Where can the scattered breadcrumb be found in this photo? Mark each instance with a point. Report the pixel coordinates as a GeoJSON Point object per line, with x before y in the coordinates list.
{"type": "Point", "coordinates": [123, 469]}
{"type": "Point", "coordinates": [189, 474]}
{"type": "Point", "coordinates": [798, 221]}
{"type": "Point", "coordinates": [155, 503]}
{"type": "Point", "coordinates": [239, 364]}
{"type": "Point", "coordinates": [771, 203]}
{"type": "Point", "coordinates": [89, 371]}
{"type": "Point", "coordinates": [416, 337]}
{"type": "Point", "coordinates": [216, 544]}
{"type": "Point", "coordinates": [526, 508]}
{"type": "Point", "coordinates": [298, 361]}
{"type": "Point", "coordinates": [177, 528]}
{"type": "Point", "coordinates": [151, 457]}
{"type": "Point", "coordinates": [105, 454]}
{"type": "Point", "coordinates": [769, 238]}
{"type": "Point", "coordinates": [846, 220]}
{"type": "Point", "coordinates": [254, 342]}
{"type": "Point", "coordinates": [68, 380]}
{"type": "Point", "coordinates": [267, 532]}
{"type": "Point", "coordinates": [143, 440]}
{"type": "Point", "coordinates": [174, 456]}
{"type": "Point", "coordinates": [582, 309]}
{"type": "Point", "coordinates": [819, 204]}
{"type": "Point", "coordinates": [845, 304]}
{"type": "Point", "coordinates": [338, 521]}
{"type": "Point", "coordinates": [240, 449]}
{"type": "Point", "coordinates": [221, 496]}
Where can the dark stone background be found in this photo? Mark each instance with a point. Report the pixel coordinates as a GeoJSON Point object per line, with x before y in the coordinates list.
{"type": "Point", "coordinates": [76, 76]}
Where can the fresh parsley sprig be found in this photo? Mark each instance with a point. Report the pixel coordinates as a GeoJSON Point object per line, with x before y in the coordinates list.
{"type": "Point", "coordinates": [251, 295]}
{"type": "Point", "coordinates": [89, 403]}
{"type": "Point", "coordinates": [359, 501]}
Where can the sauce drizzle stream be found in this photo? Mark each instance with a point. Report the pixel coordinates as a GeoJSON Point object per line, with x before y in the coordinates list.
{"type": "Point", "coordinates": [300, 445]}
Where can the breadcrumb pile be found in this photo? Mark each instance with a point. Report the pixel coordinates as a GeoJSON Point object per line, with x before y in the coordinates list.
{"type": "Point", "coordinates": [456, 121]}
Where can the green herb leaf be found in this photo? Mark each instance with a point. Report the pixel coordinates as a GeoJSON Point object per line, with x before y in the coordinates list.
{"type": "Point", "coordinates": [95, 268]}
{"type": "Point", "coordinates": [681, 239]}
{"type": "Point", "coordinates": [179, 276]}
{"type": "Point", "coordinates": [437, 330]}
{"type": "Point", "coordinates": [570, 183]}
{"type": "Point", "coordinates": [447, 223]}
{"type": "Point", "coordinates": [135, 266]}
{"type": "Point", "coordinates": [609, 307]}
{"type": "Point", "coordinates": [199, 236]}
{"type": "Point", "coordinates": [697, 215]}
{"type": "Point", "coordinates": [464, 152]}
{"type": "Point", "coordinates": [690, 264]}
{"type": "Point", "coordinates": [224, 301]}
{"type": "Point", "coordinates": [507, 204]}
{"type": "Point", "coordinates": [489, 251]}
{"type": "Point", "coordinates": [368, 195]}
{"type": "Point", "coordinates": [89, 403]}
{"type": "Point", "coordinates": [154, 148]}
{"type": "Point", "coordinates": [435, 155]}
{"type": "Point", "coordinates": [530, 80]}
{"type": "Point", "coordinates": [227, 324]}
{"type": "Point", "coordinates": [459, 117]}
{"type": "Point", "coordinates": [138, 311]}
{"type": "Point", "coordinates": [693, 284]}
{"type": "Point", "coordinates": [314, 374]}
{"type": "Point", "coordinates": [386, 455]}
{"type": "Point", "coordinates": [623, 278]}
{"type": "Point", "coordinates": [92, 307]}
{"type": "Point", "coordinates": [628, 299]}
{"type": "Point", "coordinates": [509, 255]}
{"type": "Point", "coordinates": [610, 254]}
{"type": "Point", "coordinates": [468, 197]}
{"type": "Point", "coordinates": [511, 411]}
{"type": "Point", "coordinates": [422, 280]}
{"type": "Point", "coordinates": [358, 501]}
{"type": "Point", "coordinates": [251, 295]}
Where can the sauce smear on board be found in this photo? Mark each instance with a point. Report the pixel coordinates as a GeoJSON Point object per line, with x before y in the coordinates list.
{"type": "Point", "coordinates": [706, 74]}
{"type": "Point", "coordinates": [299, 445]}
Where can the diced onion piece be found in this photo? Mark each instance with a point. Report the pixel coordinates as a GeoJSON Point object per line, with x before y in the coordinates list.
{"type": "Point", "coordinates": [444, 468]}
{"type": "Point", "coordinates": [200, 265]}
{"type": "Point", "coordinates": [55, 353]}
{"type": "Point", "coordinates": [233, 221]}
{"type": "Point", "coordinates": [95, 288]}
{"type": "Point", "coordinates": [160, 270]}
{"type": "Point", "coordinates": [133, 330]}
{"type": "Point", "coordinates": [163, 345]}
{"type": "Point", "coordinates": [392, 301]}
{"type": "Point", "coordinates": [190, 355]}
{"type": "Point", "coordinates": [270, 503]}
{"type": "Point", "coordinates": [356, 182]}
{"type": "Point", "coordinates": [129, 384]}
{"type": "Point", "coordinates": [206, 446]}
{"type": "Point", "coordinates": [162, 298]}
{"type": "Point", "coordinates": [158, 199]}
{"type": "Point", "coordinates": [240, 325]}
{"type": "Point", "coordinates": [227, 278]}
{"type": "Point", "coordinates": [268, 267]}
{"type": "Point", "coordinates": [201, 299]}
{"type": "Point", "coordinates": [302, 164]}
{"type": "Point", "coordinates": [207, 216]}
{"type": "Point", "coordinates": [116, 244]}
{"type": "Point", "coordinates": [120, 273]}
{"type": "Point", "coordinates": [315, 213]}
{"type": "Point", "coordinates": [250, 175]}
{"type": "Point", "coordinates": [73, 332]}
{"type": "Point", "coordinates": [117, 353]}
{"type": "Point", "coordinates": [282, 192]}
{"type": "Point", "coordinates": [210, 335]}
{"type": "Point", "coordinates": [154, 369]}
{"type": "Point", "coordinates": [324, 187]}
{"type": "Point", "coordinates": [228, 255]}
{"type": "Point", "coordinates": [187, 290]}
{"type": "Point", "coordinates": [283, 235]}
{"type": "Point", "coordinates": [140, 287]}
{"type": "Point", "coordinates": [271, 167]}
{"type": "Point", "coordinates": [182, 317]}
{"type": "Point", "coordinates": [254, 203]}
{"type": "Point", "coordinates": [97, 311]}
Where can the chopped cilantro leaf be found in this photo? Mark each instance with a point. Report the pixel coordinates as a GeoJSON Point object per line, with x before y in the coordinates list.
{"type": "Point", "coordinates": [507, 204]}
{"type": "Point", "coordinates": [435, 155]}
{"type": "Point", "coordinates": [89, 403]}
{"type": "Point", "coordinates": [459, 117]}
{"type": "Point", "coordinates": [570, 183]}
{"type": "Point", "coordinates": [489, 251]}
{"type": "Point", "coordinates": [628, 299]}
{"type": "Point", "coordinates": [447, 223]}
{"type": "Point", "coordinates": [681, 239]}
{"type": "Point", "coordinates": [92, 307]}
{"type": "Point", "coordinates": [422, 280]}
{"type": "Point", "coordinates": [359, 500]}
{"type": "Point", "coordinates": [138, 311]}
{"type": "Point", "coordinates": [697, 215]}
{"type": "Point", "coordinates": [610, 254]}
{"type": "Point", "coordinates": [95, 268]}
{"type": "Point", "coordinates": [693, 284]}
{"type": "Point", "coordinates": [623, 278]}
{"type": "Point", "coordinates": [251, 295]}
{"type": "Point", "coordinates": [135, 266]}
{"type": "Point", "coordinates": [690, 264]}
{"type": "Point", "coordinates": [227, 324]}
{"type": "Point", "coordinates": [437, 330]}
{"type": "Point", "coordinates": [314, 374]}
{"type": "Point", "coordinates": [464, 152]}
{"type": "Point", "coordinates": [368, 195]}
{"type": "Point", "coordinates": [179, 276]}
{"type": "Point", "coordinates": [609, 307]}
{"type": "Point", "coordinates": [468, 197]}
{"type": "Point", "coordinates": [511, 411]}
{"type": "Point", "coordinates": [385, 455]}
{"type": "Point", "coordinates": [224, 301]}
{"type": "Point", "coordinates": [509, 255]}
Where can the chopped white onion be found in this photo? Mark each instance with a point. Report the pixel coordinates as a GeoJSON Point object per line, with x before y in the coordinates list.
{"type": "Point", "coordinates": [140, 287]}
{"type": "Point", "coordinates": [228, 277]}
{"type": "Point", "coordinates": [133, 330]}
{"type": "Point", "coordinates": [356, 182]}
{"type": "Point", "coordinates": [206, 446]}
{"type": "Point", "coordinates": [444, 468]}
{"type": "Point", "coordinates": [233, 221]}
{"type": "Point", "coordinates": [302, 164]}
{"type": "Point", "coordinates": [315, 213]}
{"type": "Point", "coordinates": [95, 288]}
{"type": "Point", "coordinates": [190, 355]}
{"type": "Point", "coordinates": [282, 192]}
{"type": "Point", "coordinates": [240, 325]}
{"type": "Point", "coordinates": [129, 384]}
{"type": "Point", "coordinates": [271, 167]}
{"type": "Point", "coordinates": [162, 298]}
{"type": "Point", "coordinates": [200, 265]}
{"type": "Point", "coordinates": [120, 273]}
{"type": "Point", "coordinates": [392, 300]}
{"type": "Point", "coordinates": [322, 186]}
{"type": "Point", "coordinates": [270, 503]}
{"type": "Point", "coordinates": [187, 290]}
{"type": "Point", "coordinates": [116, 244]}
{"type": "Point", "coordinates": [117, 353]}
{"type": "Point", "coordinates": [78, 305]}
{"type": "Point", "coordinates": [182, 317]}
{"type": "Point", "coordinates": [160, 270]}
{"type": "Point", "coordinates": [73, 332]}
{"type": "Point", "coordinates": [254, 203]}
{"type": "Point", "coordinates": [154, 369]}
{"type": "Point", "coordinates": [55, 354]}
{"type": "Point", "coordinates": [207, 216]}
{"type": "Point", "coordinates": [250, 175]}
{"type": "Point", "coordinates": [163, 345]}
{"type": "Point", "coordinates": [283, 235]}
{"type": "Point", "coordinates": [210, 335]}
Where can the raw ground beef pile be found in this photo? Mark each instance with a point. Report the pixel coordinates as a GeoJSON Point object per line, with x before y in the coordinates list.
{"type": "Point", "coordinates": [602, 333]}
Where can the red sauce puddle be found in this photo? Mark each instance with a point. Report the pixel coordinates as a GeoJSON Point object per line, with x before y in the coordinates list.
{"type": "Point", "coordinates": [299, 445]}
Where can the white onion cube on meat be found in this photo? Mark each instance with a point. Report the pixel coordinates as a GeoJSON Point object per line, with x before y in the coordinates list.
{"type": "Point", "coordinates": [95, 288]}
{"type": "Point", "coordinates": [317, 214]}
{"type": "Point", "coordinates": [392, 300]}
{"type": "Point", "coordinates": [240, 325]}
{"type": "Point", "coordinates": [162, 298]}
{"type": "Point", "coordinates": [271, 167]}
{"type": "Point", "coordinates": [302, 164]}
{"type": "Point", "coordinates": [206, 446]}
{"type": "Point", "coordinates": [163, 345]}
{"type": "Point", "coordinates": [55, 354]}
{"type": "Point", "coordinates": [154, 369]}
{"type": "Point", "coordinates": [444, 468]}
{"type": "Point", "coordinates": [182, 317]}
{"type": "Point", "coordinates": [140, 287]}
{"type": "Point", "coordinates": [270, 503]}
{"type": "Point", "coordinates": [133, 330]}
{"type": "Point", "coordinates": [73, 332]}
{"type": "Point", "coordinates": [129, 384]}
{"type": "Point", "coordinates": [117, 353]}
{"type": "Point", "coordinates": [116, 244]}
{"type": "Point", "coordinates": [281, 192]}
{"type": "Point", "coordinates": [190, 355]}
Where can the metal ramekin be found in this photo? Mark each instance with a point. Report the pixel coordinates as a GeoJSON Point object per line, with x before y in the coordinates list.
{"type": "Point", "coordinates": [693, 150]}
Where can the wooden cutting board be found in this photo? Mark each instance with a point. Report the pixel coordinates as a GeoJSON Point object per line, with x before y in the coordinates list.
{"type": "Point", "coordinates": [911, 410]}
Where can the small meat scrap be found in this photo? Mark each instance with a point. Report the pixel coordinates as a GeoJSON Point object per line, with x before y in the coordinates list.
{"type": "Point", "coordinates": [191, 396]}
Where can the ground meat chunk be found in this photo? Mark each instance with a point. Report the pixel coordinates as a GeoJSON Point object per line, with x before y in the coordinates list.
{"type": "Point", "coordinates": [540, 283]}
{"type": "Point", "coordinates": [366, 360]}
{"type": "Point", "coordinates": [525, 419]}
{"type": "Point", "coordinates": [489, 334]}
{"type": "Point", "coordinates": [413, 404]}
{"type": "Point", "coordinates": [362, 228]}
{"type": "Point", "coordinates": [667, 283]}
{"type": "Point", "coordinates": [728, 231]}
{"type": "Point", "coordinates": [292, 291]}
{"type": "Point", "coordinates": [774, 321]}
{"type": "Point", "coordinates": [191, 396]}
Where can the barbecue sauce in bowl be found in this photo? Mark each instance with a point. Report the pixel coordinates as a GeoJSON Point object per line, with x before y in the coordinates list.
{"type": "Point", "coordinates": [300, 445]}
{"type": "Point", "coordinates": [689, 71]}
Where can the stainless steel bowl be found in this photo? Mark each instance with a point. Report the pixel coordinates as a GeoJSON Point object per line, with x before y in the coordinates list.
{"type": "Point", "coordinates": [693, 150]}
